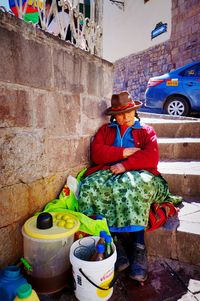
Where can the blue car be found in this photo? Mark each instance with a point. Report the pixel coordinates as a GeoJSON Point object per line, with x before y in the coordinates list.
{"type": "Point", "coordinates": [177, 92]}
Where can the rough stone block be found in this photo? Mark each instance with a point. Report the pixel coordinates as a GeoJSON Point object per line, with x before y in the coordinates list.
{"type": "Point", "coordinates": [179, 150]}
{"type": "Point", "coordinates": [63, 115]}
{"type": "Point", "coordinates": [67, 71]}
{"type": "Point", "coordinates": [107, 82]}
{"type": "Point", "coordinates": [11, 247]}
{"type": "Point", "coordinates": [22, 157]}
{"type": "Point", "coordinates": [191, 184]}
{"type": "Point", "coordinates": [29, 61]}
{"type": "Point", "coordinates": [176, 129]}
{"type": "Point", "coordinates": [15, 108]}
{"type": "Point", "coordinates": [13, 203]}
{"type": "Point", "coordinates": [45, 190]}
{"type": "Point", "coordinates": [185, 185]}
{"type": "Point", "coordinates": [92, 114]}
{"type": "Point", "coordinates": [94, 79]}
{"type": "Point", "coordinates": [187, 247]}
{"type": "Point", "coordinates": [79, 72]}
{"type": "Point", "coordinates": [63, 68]}
{"type": "Point", "coordinates": [39, 108]}
{"type": "Point", "coordinates": [64, 153]}
{"type": "Point", "coordinates": [160, 243]}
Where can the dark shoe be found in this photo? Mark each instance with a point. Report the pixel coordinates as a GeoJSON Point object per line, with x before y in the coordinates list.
{"type": "Point", "coordinates": [138, 269]}
{"type": "Point", "coordinates": [122, 260]}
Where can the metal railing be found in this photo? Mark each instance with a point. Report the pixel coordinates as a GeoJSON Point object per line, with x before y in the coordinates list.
{"type": "Point", "coordinates": [85, 33]}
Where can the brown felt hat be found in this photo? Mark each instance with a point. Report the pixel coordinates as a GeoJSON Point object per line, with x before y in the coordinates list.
{"type": "Point", "coordinates": [121, 103]}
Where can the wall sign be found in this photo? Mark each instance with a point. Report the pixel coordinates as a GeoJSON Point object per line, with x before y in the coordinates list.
{"type": "Point", "coordinates": [159, 29]}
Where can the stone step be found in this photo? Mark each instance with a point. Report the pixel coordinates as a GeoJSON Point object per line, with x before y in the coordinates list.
{"type": "Point", "coordinates": [172, 127]}
{"type": "Point", "coordinates": [183, 177]}
{"type": "Point", "coordinates": [179, 148]}
{"type": "Point", "coordinates": [179, 238]}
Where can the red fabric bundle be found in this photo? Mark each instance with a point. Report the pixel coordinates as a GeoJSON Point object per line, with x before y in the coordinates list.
{"type": "Point", "coordinates": [159, 213]}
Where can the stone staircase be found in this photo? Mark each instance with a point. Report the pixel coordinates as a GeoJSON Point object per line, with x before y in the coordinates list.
{"type": "Point", "coordinates": [179, 146]}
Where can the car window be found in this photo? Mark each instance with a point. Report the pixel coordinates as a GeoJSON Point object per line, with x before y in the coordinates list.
{"type": "Point", "coordinates": [192, 71]}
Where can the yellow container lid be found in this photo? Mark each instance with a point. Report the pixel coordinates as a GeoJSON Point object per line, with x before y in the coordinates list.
{"type": "Point", "coordinates": [64, 224]}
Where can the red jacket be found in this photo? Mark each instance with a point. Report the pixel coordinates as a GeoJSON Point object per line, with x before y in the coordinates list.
{"type": "Point", "coordinates": [103, 151]}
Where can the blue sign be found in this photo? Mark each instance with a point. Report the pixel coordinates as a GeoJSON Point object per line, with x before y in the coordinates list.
{"type": "Point", "coordinates": [159, 29]}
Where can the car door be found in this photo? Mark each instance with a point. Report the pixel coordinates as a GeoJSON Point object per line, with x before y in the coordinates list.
{"type": "Point", "coordinates": [190, 79]}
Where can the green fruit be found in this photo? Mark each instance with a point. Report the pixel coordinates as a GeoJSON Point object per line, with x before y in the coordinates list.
{"type": "Point", "coordinates": [61, 223]}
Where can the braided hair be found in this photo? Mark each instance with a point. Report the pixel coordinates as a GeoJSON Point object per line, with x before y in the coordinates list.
{"type": "Point", "coordinates": [137, 115]}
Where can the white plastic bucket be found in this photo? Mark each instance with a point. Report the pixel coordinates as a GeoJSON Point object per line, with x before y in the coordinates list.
{"type": "Point", "coordinates": [92, 279]}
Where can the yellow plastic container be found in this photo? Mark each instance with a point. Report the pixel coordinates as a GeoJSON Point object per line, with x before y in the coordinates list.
{"type": "Point", "coordinates": [26, 293]}
{"type": "Point", "coordinates": [47, 251]}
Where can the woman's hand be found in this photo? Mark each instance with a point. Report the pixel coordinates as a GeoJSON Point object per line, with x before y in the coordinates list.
{"type": "Point", "coordinates": [117, 168]}
{"type": "Point", "coordinates": [130, 151]}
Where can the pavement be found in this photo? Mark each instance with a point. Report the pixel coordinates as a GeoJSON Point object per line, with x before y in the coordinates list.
{"type": "Point", "coordinates": [168, 280]}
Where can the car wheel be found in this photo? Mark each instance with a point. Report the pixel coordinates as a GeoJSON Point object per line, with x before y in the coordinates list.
{"type": "Point", "coordinates": [177, 106]}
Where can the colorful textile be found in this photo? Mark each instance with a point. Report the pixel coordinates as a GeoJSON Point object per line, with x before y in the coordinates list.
{"type": "Point", "coordinates": [123, 199]}
{"type": "Point", "coordinates": [159, 214]}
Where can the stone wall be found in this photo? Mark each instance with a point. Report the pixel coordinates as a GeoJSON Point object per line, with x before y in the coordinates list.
{"type": "Point", "coordinates": [52, 96]}
{"type": "Point", "coordinates": [133, 72]}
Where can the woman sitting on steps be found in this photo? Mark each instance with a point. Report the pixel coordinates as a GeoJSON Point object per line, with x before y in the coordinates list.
{"type": "Point", "coordinates": [124, 180]}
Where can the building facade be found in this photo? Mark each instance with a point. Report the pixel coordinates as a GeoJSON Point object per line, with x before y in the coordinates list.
{"type": "Point", "coordinates": [127, 27]}
{"type": "Point", "coordinates": [182, 44]}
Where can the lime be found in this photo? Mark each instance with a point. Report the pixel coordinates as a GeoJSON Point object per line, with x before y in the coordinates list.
{"type": "Point", "coordinates": [61, 223]}
{"type": "Point", "coordinates": [69, 224]}
{"type": "Point", "coordinates": [59, 215]}
{"type": "Point", "coordinates": [65, 217]}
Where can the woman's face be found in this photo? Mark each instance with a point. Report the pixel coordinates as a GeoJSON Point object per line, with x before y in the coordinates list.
{"type": "Point", "coordinates": [126, 118]}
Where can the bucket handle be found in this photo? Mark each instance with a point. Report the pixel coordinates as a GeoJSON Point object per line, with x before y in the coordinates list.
{"type": "Point", "coordinates": [101, 288]}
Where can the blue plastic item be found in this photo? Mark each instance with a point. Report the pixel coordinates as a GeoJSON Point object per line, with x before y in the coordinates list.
{"type": "Point", "coordinates": [10, 280]}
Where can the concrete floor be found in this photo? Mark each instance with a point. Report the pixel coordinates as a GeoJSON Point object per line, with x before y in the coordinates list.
{"type": "Point", "coordinates": [168, 280]}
